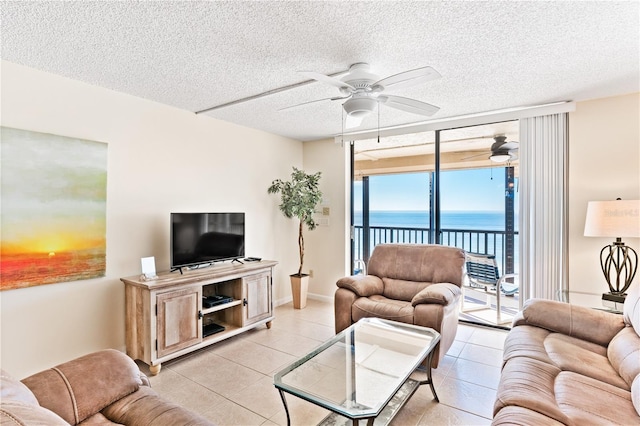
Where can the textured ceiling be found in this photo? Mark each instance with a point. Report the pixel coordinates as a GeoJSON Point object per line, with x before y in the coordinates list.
{"type": "Point", "coordinates": [195, 55]}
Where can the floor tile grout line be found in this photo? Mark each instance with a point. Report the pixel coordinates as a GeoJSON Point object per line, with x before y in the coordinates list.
{"type": "Point", "coordinates": [220, 395]}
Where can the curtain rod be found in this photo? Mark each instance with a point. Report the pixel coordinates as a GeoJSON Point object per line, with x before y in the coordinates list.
{"type": "Point", "coordinates": [462, 121]}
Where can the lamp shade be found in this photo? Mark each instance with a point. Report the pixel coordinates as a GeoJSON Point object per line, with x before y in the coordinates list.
{"type": "Point", "coordinates": [617, 218]}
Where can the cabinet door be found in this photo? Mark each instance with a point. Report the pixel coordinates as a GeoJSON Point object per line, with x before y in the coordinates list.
{"type": "Point", "coordinates": [178, 323]}
{"type": "Point", "coordinates": [257, 293]}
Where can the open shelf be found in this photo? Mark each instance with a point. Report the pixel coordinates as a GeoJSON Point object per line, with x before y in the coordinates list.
{"type": "Point", "coordinates": [221, 307]}
{"type": "Point", "coordinates": [228, 328]}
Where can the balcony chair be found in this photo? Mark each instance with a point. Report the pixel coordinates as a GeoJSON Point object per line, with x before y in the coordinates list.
{"type": "Point", "coordinates": [412, 283]}
{"type": "Point", "coordinates": [482, 274]}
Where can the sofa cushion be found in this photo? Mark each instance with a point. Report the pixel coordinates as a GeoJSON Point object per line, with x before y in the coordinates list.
{"type": "Point", "coordinates": [418, 262]}
{"type": "Point", "coordinates": [381, 307]}
{"type": "Point", "coordinates": [529, 383]}
{"type": "Point", "coordinates": [589, 401]}
{"type": "Point", "coordinates": [564, 396]}
{"type": "Point", "coordinates": [402, 289]}
{"type": "Point", "coordinates": [520, 416]}
{"type": "Point", "coordinates": [586, 358]}
{"type": "Point", "coordinates": [562, 351]}
{"type": "Point", "coordinates": [624, 354]}
{"type": "Point", "coordinates": [526, 341]}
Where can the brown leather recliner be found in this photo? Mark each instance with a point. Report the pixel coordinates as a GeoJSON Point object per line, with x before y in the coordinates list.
{"type": "Point", "coordinates": [411, 283]}
{"type": "Point", "coordinates": [101, 388]}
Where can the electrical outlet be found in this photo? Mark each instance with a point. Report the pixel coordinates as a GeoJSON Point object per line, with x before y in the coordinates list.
{"type": "Point", "coordinates": [310, 273]}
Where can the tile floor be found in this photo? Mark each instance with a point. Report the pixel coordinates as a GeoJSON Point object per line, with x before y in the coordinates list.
{"type": "Point", "coordinates": [231, 383]}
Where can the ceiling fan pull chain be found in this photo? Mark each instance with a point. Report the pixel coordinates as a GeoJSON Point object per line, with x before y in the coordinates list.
{"type": "Point", "coordinates": [378, 123]}
{"type": "Point", "coordinates": [342, 123]}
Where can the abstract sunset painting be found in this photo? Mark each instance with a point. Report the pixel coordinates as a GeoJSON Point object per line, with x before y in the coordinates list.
{"type": "Point", "coordinates": [52, 208]}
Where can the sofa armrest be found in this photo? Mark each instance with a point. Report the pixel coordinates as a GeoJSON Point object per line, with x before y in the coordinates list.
{"type": "Point", "coordinates": [146, 407]}
{"type": "Point", "coordinates": [84, 386]}
{"type": "Point", "coordinates": [362, 285]}
{"type": "Point", "coordinates": [577, 321]}
{"type": "Point", "coordinates": [439, 293]}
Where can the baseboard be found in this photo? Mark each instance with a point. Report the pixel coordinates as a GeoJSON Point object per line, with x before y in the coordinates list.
{"type": "Point", "coordinates": [320, 297]}
{"type": "Point", "coordinates": [312, 296]}
{"type": "Point", "coordinates": [284, 301]}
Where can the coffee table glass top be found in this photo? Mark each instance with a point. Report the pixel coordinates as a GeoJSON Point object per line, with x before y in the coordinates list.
{"type": "Point", "coordinates": [359, 370]}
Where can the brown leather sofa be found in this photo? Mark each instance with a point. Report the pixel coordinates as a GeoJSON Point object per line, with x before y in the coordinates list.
{"type": "Point", "coordinates": [571, 365]}
{"type": "Point", "coordinates": [101, 388]}
{"type": "Point", "coordinates": [411, 283]}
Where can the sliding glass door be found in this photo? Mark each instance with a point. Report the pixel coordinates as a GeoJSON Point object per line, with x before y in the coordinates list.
{"type": "Point", "coordinates": [454, 187]}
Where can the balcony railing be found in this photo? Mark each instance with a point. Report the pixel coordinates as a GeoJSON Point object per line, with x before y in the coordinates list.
{"type": "Point", "coordinates": [476, 241]}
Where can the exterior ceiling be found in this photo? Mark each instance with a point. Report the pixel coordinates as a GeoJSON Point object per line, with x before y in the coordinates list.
{"type": "Point", "coordinates": [463, 148]}
{"type": "Point", "coordinates": [193, 55]}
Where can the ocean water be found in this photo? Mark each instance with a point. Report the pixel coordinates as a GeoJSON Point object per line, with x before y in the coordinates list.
{"type": "Point", "coordinates": [467, 220]}
{"type": "Point", "coordinates": [455, 221]}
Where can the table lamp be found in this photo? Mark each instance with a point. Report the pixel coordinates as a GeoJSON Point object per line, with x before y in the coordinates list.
{"type": "Point", "coordinates": [619, 263]}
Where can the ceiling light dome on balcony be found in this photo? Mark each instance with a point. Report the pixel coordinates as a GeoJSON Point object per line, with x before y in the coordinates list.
{"type": "Point", "coordinates": [500, 157]}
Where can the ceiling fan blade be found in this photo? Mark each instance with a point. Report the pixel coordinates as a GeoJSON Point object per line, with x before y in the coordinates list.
{"type": "Point", "coordinates": [510, 145]}
{"type": "Point", "coordinates": [409, 105]}
{"type": "Point", "coordinates": [352, 121]}
{"type": "Point", "coordinates": [408, 78]}
{"type": "Point", "coordinates": [312, 102]}
{"type": "Point", "coordinates": [326, 79]}
{"type": "Point", "coordinates": [484, 154]}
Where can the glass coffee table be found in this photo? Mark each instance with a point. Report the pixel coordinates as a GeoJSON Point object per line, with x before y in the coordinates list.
{"type": "Point", "coordinates": [363, 372]}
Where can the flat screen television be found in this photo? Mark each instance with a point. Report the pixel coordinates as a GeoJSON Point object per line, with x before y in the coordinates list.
{"type": "Point", "coordinates": [201, 238]}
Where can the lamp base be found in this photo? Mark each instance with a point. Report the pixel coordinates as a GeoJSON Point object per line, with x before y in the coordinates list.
{"type": "Point", "coordinates": [616, 298]}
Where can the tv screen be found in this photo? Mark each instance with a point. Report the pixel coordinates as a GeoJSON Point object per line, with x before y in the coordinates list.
{"type": "Point", "coordinates": [198, 238]}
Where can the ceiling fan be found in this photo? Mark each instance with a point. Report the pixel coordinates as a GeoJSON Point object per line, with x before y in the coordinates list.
{"type": "Point", "coordinates": [362, 91]}
{"type": "Point", "coordinates": [501, 150]}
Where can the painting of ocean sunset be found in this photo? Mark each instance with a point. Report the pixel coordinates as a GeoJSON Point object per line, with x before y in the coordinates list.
{"type": "Point", "coordinates": [52, 208]}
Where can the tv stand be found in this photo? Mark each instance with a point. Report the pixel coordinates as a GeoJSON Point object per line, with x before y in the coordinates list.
{"type": "Point", "coordinates": [165, 318]}
{"type": "Point", "coordinates": [237, 260]}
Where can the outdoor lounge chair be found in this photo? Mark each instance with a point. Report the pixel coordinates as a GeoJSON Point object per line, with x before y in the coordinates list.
{"type": "Point", "coordinates": [482, 273]}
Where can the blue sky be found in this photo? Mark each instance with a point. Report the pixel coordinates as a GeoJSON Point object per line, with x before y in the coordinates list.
{"type": "Point", "coordinates": [473, 190]}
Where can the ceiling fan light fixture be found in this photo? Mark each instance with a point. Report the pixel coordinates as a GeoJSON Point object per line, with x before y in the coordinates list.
{"type": "Point", "coordinates": [499, 158]}
{"type": "Point", "coordinates": [360, 107]}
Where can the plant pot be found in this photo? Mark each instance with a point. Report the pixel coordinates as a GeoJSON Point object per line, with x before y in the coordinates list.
{"type": "Point", "coordinates": [299, 288]}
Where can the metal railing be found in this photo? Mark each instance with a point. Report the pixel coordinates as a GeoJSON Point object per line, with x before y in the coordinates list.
{"type": "Point", "coordinates": [476, 241]}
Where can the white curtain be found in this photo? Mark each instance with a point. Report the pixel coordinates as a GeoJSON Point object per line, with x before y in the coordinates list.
{"type": "Point", "coordinates": [543, 207]}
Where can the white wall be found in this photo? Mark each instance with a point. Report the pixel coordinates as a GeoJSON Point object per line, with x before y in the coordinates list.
{"type": "Point", "coordinates": [327, 247]}
{"type": "Point", "coordinates": [604, 164]}
{"type": "Point", "coordinates": [160, 159]}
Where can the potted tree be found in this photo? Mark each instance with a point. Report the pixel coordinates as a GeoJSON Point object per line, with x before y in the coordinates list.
{"type": "Point", "coordinates": [299, 198]}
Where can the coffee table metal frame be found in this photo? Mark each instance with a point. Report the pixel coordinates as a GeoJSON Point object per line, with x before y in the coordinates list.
{"type": "Point", "coordinates": [429, 337]}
